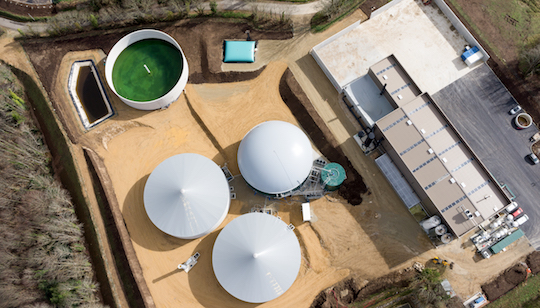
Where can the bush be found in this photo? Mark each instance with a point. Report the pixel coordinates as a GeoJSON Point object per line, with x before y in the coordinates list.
{"type": "Point", "coordinates": [213, 7]}
{"type": "Point", "coordinates": [93, 21]}
{"type": "Point", "coordinates": [530, 61]}
{"type": "Point", "coordinates": [70, 21]}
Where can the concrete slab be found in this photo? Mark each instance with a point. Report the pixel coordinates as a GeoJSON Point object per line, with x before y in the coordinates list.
{"type": "Point", "coordinates": [421, 37]}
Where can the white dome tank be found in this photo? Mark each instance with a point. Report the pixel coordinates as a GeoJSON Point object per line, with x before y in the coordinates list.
{"type": "Point", "coordinates": [275, 157]}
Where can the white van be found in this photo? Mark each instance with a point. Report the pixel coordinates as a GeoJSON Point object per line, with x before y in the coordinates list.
{"type": "Point", "coordinates": [518, 222]}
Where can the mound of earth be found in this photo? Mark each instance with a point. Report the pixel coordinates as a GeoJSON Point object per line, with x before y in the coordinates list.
{"type": "Point", "coordinates": [294, 97]}
{"type": "Point", "coordinates": [533, 260]}
{"type": "Point", "coordinates": [351, 290]}
{"type": "Point", "coordinates": [505, 282]}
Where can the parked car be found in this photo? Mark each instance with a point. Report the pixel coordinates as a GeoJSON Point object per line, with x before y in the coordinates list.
{"type": "Point", "coordinates": [534, 158]}
{"type": "Point", "coordinates": [511, 207]}
{"type": "Point", "coordinates": [486, 254]}
{"type": "Point", "coordinates": [515, 110]}
{"type": "Point", "coordinates": [517, 212]}
{"type": "Point", "coordinates": [520, 221]}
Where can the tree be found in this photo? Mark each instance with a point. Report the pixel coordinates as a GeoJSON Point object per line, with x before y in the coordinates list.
{"type": "Point", "coordinates": [428, 289]}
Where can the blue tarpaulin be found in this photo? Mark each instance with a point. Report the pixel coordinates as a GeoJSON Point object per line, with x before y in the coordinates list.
{"type": "Point", "coordinates": [239, 51]}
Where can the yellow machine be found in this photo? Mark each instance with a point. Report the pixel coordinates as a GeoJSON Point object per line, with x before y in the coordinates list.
{"type": "Point", "coordinates": [437, 260]}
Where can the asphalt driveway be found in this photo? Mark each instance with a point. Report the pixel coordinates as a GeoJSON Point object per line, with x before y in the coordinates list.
{"type": "Point", "coordinates": [478, 105]}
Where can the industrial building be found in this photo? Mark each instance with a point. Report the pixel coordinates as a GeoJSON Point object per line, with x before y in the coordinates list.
{"type": "Point", "coordinates": [425, 158]}
{"type": "Point", "coordinates": [386, 85]}
{"type": "Point", "coordinates": [444, 173]}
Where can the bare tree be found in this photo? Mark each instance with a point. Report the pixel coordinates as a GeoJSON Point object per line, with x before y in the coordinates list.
{"type": "Point", "coordinates": [530, 61]}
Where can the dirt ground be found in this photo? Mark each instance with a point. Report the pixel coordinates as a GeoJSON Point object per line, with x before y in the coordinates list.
{"type": "Point", "coordinates": [505, 282]}
{"type": "Point", "coordinates": [367, 241]}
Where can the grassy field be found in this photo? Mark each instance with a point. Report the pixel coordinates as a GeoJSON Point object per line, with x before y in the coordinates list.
{"type": "Point", "coordinates": [525, 295]}
{"type": "Point", "coordinates": [508, 27]}
{"type": "Point", "coordinates": [524, 20]}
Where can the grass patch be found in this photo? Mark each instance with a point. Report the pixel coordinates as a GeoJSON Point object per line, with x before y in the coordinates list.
{"type": "Point", "coordinates": [477, 30]}
{"type": "Point", "coordinates": [321, 20]}
{"type": "Point", "coordinates": [233, 15]}
{"type": "Point", "coordinates": [517, 22]}
{"type": "Point", "coordinates": [526, 293]}
{"type": "Point", "coordinates": [296, 1]}
{"type": "Point", "coordinates": [20, 18]}
{"type": "Point", "coordinates": [418, 212]}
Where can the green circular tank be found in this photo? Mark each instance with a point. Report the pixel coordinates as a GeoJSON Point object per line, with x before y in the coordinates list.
{"type": "Point", "coordinates": [332, 176]}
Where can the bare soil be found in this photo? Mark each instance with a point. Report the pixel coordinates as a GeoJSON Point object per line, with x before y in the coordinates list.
{"type": "Point", "coordinates": [533, 260]}
{"type": "Point", "coordinates": [352, 290]}
{"type": "Point", "coordinates": [201, 41]}
{"type": "Point", "coordinates": [369, 240]}
{"type": "Point", "coordinates": [505, 282]}
{"type": "Point", "coordinates": [292, 94]}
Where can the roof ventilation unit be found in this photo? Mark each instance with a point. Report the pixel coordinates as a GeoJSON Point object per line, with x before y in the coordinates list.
{"type": "Point", "coordinates": [452, 180]}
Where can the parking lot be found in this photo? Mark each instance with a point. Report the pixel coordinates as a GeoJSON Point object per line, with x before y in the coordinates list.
{"type": "Point", "coordinates": [478, 105]}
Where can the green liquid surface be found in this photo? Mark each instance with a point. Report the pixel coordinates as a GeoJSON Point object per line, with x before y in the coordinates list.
{"type": "Point", "coordinates": [133, 81]}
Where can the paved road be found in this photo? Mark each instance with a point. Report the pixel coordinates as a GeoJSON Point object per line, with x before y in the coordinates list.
{"type": "Point", "coordinates": [25, 27]}
{"type": "Point", "coordinates": [275, 7]}
{"type": "Point", "coordinates": [227, 5]}
{"type": "Point", "coordinates": [478, 105]}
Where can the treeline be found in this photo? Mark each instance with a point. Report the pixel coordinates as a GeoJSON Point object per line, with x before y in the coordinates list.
{"type": "Point", "coordinates": [529, 61]}
{"type": "Point", "coordinates": [332, 11]}
{"type": "Point", "coordinates": [80, 16]}
{"type": "Point", "coordinates": [43, 259]}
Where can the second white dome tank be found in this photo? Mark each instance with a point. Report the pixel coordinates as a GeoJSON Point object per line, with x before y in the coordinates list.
{"type": "Point", "coordinates": [275, 157]}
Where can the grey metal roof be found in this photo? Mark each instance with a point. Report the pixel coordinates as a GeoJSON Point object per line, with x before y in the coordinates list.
{"type": "Point", "coordinates": [396, 179]}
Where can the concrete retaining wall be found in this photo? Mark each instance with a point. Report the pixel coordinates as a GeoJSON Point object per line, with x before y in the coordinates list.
{"type": "Point", "coordinates": [460, 27]}
{"type": "Point", "coordinates": [134, 37]}
{"type": "Point", "coordinates": [131, 271]}
{"type": "Point", "coordinates": [384, 8]}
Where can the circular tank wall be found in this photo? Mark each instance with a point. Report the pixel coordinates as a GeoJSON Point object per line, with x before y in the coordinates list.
{"type": "Point", "coordinates": [523, 120]}
{"type": "Point", "coordinates": [171, 79]}
{"type": "Point", "coordinates": [275, 157]}
{"type": "Point", "coordinates": [333, 176]}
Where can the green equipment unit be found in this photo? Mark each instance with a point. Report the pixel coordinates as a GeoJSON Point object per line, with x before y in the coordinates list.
{"type": "Point", "coordinates": [332, 176]}
{"type": "Point", "coordinates": [506, 241]}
